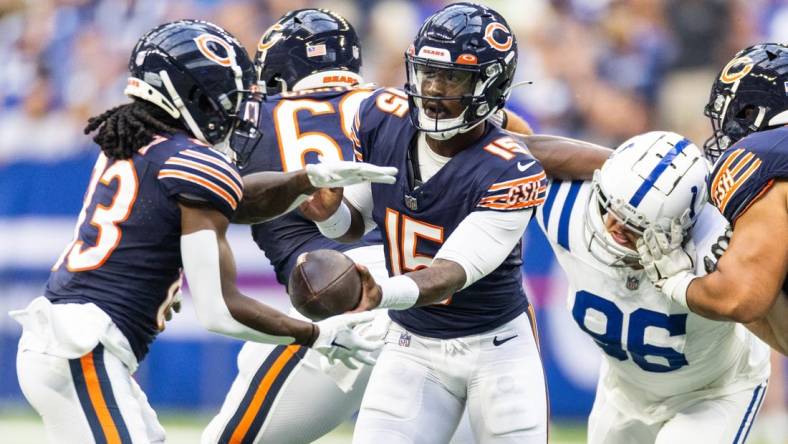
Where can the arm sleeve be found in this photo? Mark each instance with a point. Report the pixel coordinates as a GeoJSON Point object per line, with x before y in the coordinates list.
{"type": "Point", "coordinates": [738, 179]}
{"type": "Point", "coordinates": [200, 256]}
{"type": "Point", "coordinates": [203, 175]}
{"type": "Point", "coordinates": [360, 197]}
{"type": "Point", "coordinates": [483, 240]}
{"type": "Point", "coordinates": [521, 184]}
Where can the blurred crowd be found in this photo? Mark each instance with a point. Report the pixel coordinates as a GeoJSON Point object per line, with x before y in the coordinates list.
{"type": "Point", "coordinates": [601, 69]}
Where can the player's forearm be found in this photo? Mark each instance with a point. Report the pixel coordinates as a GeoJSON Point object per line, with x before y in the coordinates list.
{"type": "Point", "coordinates": [565, 158]}
{"type": "Point", "coordinates": [268, 320]}
{"type": "Point", "coordinates": [777, 319]}
{"type": "Point", "coordinates": [269, 194]}
{"type": "Point", "coordinates": [438, 282]}
{"type": "Point", "coordinates": [723, 296]}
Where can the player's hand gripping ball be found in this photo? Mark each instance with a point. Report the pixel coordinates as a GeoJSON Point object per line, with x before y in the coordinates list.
{"type": "Point", "coordinates": [324, 283]}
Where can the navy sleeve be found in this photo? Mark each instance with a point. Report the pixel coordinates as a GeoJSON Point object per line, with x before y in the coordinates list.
{"type": "Point", "coordinates": [373, 110]}
{"type": "Point", "coordinates": [203, 174]}
{"type": "Point", "coordinates": [521, 183]}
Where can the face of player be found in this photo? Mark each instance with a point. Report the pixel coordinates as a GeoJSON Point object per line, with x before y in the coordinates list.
{"type": "Point", "coordinates": [442, 82]}
{"type": "Point", "coordinates": [620, 234]}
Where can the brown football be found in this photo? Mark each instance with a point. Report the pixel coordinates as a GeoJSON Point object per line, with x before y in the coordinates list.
{"type": "Point", "coordinates": [324, 283]}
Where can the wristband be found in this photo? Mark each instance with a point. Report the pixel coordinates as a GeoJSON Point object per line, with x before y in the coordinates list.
{"type": "Point", "coordinates": [337, 224]}
{"type": "Point", "coordinates": [676, 287]}
{"type": "Point", "coordinates": [398, 292]}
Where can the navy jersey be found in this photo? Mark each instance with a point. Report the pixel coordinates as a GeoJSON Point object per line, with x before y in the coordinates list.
{"type": "Point", "coordinates": [125, 256]}
{"type": "Point", "coordinates": [298, 128]}
{"type": "Point", "coordinates": [747, 170]}
{"type": "Point", "coordinates": [496, 173]}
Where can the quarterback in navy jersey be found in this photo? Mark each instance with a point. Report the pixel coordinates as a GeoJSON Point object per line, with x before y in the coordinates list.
{"type": "Point", "coordinates": [748, 108]}
{"type": "Point", "coordinates": [159, 201]}
{"type": "Point", "coordinates": [452, 227]}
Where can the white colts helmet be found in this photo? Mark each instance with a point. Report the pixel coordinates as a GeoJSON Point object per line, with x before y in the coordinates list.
{"type": "Point", "coordinates": [650, 179]}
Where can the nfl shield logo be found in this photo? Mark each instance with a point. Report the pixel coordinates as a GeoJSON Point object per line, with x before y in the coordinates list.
{"type": "Point", "coordinates": [411, 203]}
{"type": "Point", "coordinates": [404, 339]}
{"type": "Point", "coordinates": [633, 283]}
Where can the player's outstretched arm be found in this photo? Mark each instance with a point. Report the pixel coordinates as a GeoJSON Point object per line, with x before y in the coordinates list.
{"type": "Point", "coordinates": [565, 158]}
{"type": "Point", "coordinates": [561, 157]}
{"type": "Point", "coordinates": [269, 194]}
{"type": "Point", "coordinates": [749, 275]}
{"type": "Point", "coordinates": [479, 244]}
{"type": "Point", "coordinates": [210, 269]}
{"type": "Point", "coordinates": [209, 266]}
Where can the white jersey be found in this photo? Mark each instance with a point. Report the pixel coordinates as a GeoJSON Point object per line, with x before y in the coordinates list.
{"type": "Point", "coordinates": [658, 354]}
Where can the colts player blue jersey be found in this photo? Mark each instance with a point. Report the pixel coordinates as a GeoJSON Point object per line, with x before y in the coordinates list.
{"type": "Point", "coordinates": [496, 173]}
{"type": "Point", "coordinates": [747, 170]}
{"type": "Point", "coordinates": [298, 128]}
{"type": "Point", "coordinates": [125, 256]}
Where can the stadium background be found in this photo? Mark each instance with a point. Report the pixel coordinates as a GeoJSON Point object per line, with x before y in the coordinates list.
{"type": "Point", "coordinates": [603, 70]}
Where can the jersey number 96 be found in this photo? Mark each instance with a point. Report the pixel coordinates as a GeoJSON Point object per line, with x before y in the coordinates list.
{"type": "Point", "coordinates": [663, 359]}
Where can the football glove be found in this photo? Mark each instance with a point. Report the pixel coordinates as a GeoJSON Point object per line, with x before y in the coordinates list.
{"type": "Point", "coordinates": [669, 266]}
{"type": "Point", "coordinates": [343, 173]}
{"type": "Point", "coordinates": [338, 341]}
{"type": "Point", "coordinates": [717, 250]}
{"type": "Point", "coordinates": [171, 304]}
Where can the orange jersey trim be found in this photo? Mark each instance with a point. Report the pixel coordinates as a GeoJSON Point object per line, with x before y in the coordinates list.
{"type": "Point", "coordinates": [189, 177]}
{"type": "Point", "coordinates": [218, 175]}
{"type": "Point", "coordinates": [214, 161]}
{"type": "Point", "coordinates": [738, 183]}
{"type": "Point", "coordinates": [517, 182]}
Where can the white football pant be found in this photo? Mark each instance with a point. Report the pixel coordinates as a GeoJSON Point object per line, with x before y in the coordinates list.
{"type": "Point", "coordinates": [92, 399]}
{"type": "Point", "coordinates": [420, 387]}
{"type": "Point", "coordinates": [721, 420]}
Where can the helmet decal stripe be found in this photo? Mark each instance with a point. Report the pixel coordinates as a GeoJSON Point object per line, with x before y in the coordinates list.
{"type": "Point", "coordinates": [663, 164]}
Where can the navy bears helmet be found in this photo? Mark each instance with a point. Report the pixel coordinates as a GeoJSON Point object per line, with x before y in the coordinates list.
{"type": "Point", "coordinates": [749, 95]}
{"type": "Point", "coordinates": [304, 43]}
{"type": "Point", "coordinates": [194, 70]}
{"type": "Point", "coordinates": [471, 47]}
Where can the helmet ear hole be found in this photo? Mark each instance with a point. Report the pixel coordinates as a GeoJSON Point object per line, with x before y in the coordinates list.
{"type": "Point", "coordinates": [747, 113]}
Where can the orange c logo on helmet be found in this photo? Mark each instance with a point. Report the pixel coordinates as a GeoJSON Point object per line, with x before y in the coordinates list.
{"type": "Point", "coordinates": [269, 37]}
{"type": "Point", "coordinates": [741, 66]}
{"type": "Point", "coordinates": [488, 36]}
{"type": "Point", "coordinates": [204, 42]}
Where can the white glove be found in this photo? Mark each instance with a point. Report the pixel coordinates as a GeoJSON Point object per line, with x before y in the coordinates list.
{"type": "Point", "coordinates": [343, 173]}
{"type": "Point", "coordinates": [666, 263]}
{"type": "Point", "coordinates": [337, 340]}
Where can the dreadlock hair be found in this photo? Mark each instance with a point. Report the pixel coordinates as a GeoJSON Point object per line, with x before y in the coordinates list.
{"type": "Point", "coordinates": [126, 128]}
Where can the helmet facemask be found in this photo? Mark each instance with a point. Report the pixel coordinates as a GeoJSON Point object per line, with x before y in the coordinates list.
{"type": "Point", "coordinates": [598, 240]}
{"type": "Point", "coordinates": [449, 98]}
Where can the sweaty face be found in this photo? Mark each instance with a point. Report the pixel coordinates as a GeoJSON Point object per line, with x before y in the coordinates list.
{"type": "Point", "coordinates": [454, 84]}
{"type": "Point", "coordinates": [620, 233]}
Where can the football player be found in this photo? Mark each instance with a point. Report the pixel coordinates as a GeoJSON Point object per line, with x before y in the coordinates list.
{"type": "Point", "coordinates": [748, 108]}
{"type": "Point", "coordinates": [159, 200]}
{"type": "Point", "coordinates": [669, 375]}
{"type": "Point", "coordinates": [462, 334]}
{"type": "Point", "coordinates": [309, 63]}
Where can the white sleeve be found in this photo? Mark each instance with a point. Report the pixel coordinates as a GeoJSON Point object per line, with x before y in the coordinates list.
{"type": "Point", "coordinates": [200, 256]}
{"type": "Point", "coordinates": [483, 240]}
{"type": "Point", "coordinates": [360, 197]}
